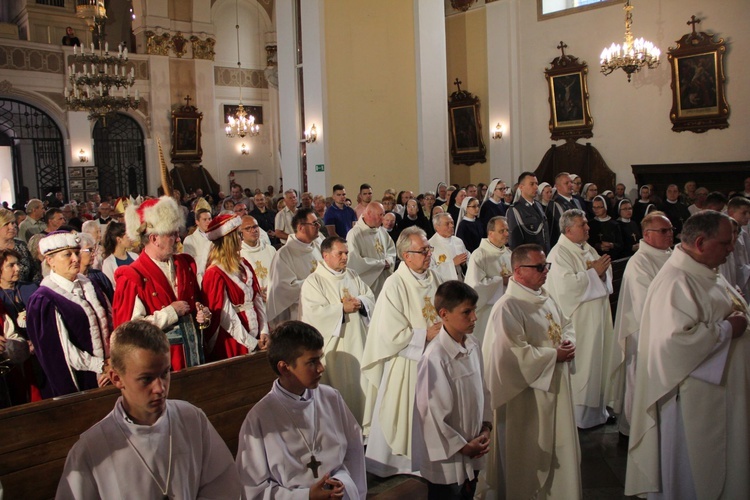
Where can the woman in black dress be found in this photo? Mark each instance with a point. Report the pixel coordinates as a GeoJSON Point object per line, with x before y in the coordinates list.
{"type": "Point", "coordinates": [468, 226]}
{"type": "Point", "coordinates": [630, 230]}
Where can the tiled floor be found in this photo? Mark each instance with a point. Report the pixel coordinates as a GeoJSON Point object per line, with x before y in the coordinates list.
{"type": "Point", "coordinates": [603, 461]}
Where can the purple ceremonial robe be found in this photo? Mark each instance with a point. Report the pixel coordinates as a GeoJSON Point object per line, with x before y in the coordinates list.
{"type": "Point", "coordinates": [43, 333]}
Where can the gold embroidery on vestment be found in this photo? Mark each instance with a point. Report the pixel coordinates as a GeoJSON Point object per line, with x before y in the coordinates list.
{"type": "Point", "coordinates": [260, 271]}
{"type": "Point", "coordinates": [428, 312]}
{"type": "Point", "coordinates": [554, 332]}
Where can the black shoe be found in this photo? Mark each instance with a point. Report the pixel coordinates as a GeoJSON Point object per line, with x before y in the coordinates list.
{"type": "Point", "coordinates": [612, 420]}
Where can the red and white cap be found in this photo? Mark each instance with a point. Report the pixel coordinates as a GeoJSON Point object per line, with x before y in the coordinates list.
{"type": "Point", "coordinates": [222, 225]}
{"type": "Point", "coordinates": [154, 216]}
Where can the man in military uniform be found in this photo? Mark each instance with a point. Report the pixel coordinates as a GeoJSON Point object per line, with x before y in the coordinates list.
{"type": "Point", "coordinates": [526, 219]}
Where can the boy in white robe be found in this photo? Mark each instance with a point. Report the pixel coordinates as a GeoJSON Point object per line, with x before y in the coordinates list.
{"type": "Point", "coordinates": [300, 440]}
{"type": "Point", "coordinates": [148, 446]}
{"type": "Point", "coordinates": [452, 412]}
{"type": "Point", "coordinates": [339, 304]}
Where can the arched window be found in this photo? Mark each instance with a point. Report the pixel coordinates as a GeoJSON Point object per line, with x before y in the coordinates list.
{"type": "Point", "coordinates": [120, 155]}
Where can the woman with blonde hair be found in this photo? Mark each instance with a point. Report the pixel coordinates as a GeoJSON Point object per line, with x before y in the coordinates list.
{"type": "Point", "coordinates": [30, 270]}
{"type": "Point", "coordinates": [238, 314]}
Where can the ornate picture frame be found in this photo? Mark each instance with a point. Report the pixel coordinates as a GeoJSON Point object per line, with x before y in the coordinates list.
{"type": "Point", "coordinates": [567, 84]}
{"type": "Point", "coordinates": [698, 80]}
{"type": "Point", "coordinates": [467, 145]}
{"type": "Point", "coordinates": [186, 134]}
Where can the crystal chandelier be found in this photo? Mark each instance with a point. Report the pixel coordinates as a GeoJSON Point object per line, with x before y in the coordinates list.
{"type": "Point", "coordinates": [99, 82]}
{"type": "Point", "coordinates": [241, 124]}
{"type": "Point", "coordinates": [634, 53]}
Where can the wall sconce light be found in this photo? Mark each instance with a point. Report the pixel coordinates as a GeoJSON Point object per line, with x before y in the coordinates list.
{"type": "Point", "coordinates": [497, 133]}
{"type": "Point", "coordinates": [244, 149]}
{"type": "Point", "coordinates": [311, 135]}
{"type": "Point", "coordinates": [82, 156]}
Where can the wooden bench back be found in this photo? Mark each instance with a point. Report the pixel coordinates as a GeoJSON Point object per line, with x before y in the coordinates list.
{"type": "Point", "coordinates": [36, 437]}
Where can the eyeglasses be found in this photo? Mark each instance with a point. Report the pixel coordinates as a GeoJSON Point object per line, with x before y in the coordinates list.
{"type": "Point", "coordinates": [424, 251]}
{"type": "Point", "coordinates": [472, 206]}
{"type": "Point", "coordinates": [250, 228]}
{"type": "Point", "coordinates": [664, 230]}
{"type": "Point", "coordinates": [540, 268]}
{"type": "Point", "coordinates": [316, 223]}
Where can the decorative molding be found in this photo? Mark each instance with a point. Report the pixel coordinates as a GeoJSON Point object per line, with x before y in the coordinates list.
{"type": "Point", "coordinates": [233, 77]}
{"type": "Point", "coordinates": [157, 45]}
{"type": "Point", "coordinates": [179, 44]}
{"type": "Point", "coordinates": [203, 49]}
{"type": "Point", "coordinates": [28, 59]}
{"type": "Point", "coordinates": [5, 87]}
{"type": "Point", "coordinates": [462, 5]}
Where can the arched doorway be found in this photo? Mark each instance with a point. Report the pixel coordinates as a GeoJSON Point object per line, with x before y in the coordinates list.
{"type": "Point", "coordinates": [120, 156]}
{"type": "Point", "coordinates": [36, 150]}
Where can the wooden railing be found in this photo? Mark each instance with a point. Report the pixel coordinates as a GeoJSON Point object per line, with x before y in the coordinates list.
{"type": "Point", "coordinates": [35, 438]}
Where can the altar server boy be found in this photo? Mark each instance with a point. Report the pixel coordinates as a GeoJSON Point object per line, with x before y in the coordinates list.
{"type": "Point", "coordinates": [451, 432]}
{"type": "Point", "coordinates": [300, 440]}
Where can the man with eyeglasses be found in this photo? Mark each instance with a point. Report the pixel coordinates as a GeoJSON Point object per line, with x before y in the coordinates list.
{"type": "Point", "coordinates": [689, 429]}
{"type": "Point", "coordinates": [653, 251]}
{"type": "Point", "coordinates": [580, 282]}
{"type": "Point", "coordinates": [294, 262]}
{"type": "Point", "coordinates": [529, 347]}
{"type": "Point", "coordinates": [256, 252]}
{"type": "Point", "coordinates": [372, 253]}
{"type": "Point", "coordinates": [403, 322]}
{"type": "Point", "coordinates": [489, 271]}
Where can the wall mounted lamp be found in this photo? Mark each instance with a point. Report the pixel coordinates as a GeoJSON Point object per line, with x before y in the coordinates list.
{"type": "Point", "coordinates": [311, 135]}
{"type": "Point", "coordinates": [82, 156]}
{"type": "Point", "coordinates": [497, 133]}
{"type": "Point", "coordinates": [244, 149]}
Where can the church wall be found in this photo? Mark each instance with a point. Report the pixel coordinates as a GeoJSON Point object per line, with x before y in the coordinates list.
{"type": "Point", "coordinates": [371, 93]}
{"type": "Point", "coordinates": [631, 120]}
{"type": "Point", "coordinates": [180, 10]}
{"type": "Point", "coordinates": [467, 60]}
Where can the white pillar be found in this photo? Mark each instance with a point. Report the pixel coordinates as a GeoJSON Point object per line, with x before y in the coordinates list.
{"type": "Point", "coordinates": [161, 119]}
{"type": "Point", "coordinates": [313, 43]}
{"type": "Point", "coordinates": [432, 103]}
{"type": "Point", "coordinates": [289, 130]}
{"type": "Point", "coordinates": [503, 73]}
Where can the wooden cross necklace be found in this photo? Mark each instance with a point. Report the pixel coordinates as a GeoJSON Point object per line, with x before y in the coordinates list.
{"type": "Point", "coordinates": [313, 464]}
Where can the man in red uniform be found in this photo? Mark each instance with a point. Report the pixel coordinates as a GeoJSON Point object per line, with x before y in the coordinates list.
{"type": "Point", "coordinates": [161, 286]}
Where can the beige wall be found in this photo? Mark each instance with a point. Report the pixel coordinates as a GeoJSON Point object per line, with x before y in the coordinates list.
{"type": "Point", "coordinates": [467, 60]}
{"type": "Point", "coordinates": [371, 128]}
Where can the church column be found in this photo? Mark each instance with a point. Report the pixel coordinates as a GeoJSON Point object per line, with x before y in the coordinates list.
{"type": "Point", "coordinates": [503, 71]}
{"type": "Point", "coordinates": [432, 116]}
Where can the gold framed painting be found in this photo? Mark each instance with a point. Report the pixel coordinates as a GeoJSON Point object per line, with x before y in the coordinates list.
{"type": "Point", "coordinates": [570, 114]}
{"type": "Point", "coordinates": [467, 146]}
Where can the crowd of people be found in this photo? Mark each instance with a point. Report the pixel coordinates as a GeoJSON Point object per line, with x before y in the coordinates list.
{"type": "Point", "coordinates": [464, 330]}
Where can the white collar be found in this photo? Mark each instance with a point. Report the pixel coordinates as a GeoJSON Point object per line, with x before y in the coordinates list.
{"type": "Point", "coordinates": [62, 282]}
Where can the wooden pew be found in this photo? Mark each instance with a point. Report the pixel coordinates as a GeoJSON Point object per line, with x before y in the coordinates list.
{"type": "Point", "coordinates": [36, 437]}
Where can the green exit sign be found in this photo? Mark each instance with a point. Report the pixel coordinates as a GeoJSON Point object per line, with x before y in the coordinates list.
{"type": "Point", "coordinates": [320, 167]}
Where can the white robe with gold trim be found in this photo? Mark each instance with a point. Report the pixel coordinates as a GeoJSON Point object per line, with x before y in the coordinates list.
{"type": "Point", "coordinates": [395, 343]}
{"type": "Point", "coordinates": [259, 257]}
{"type": "Point", "coordinates": [689, 436]}
{"type": "Point", "coordinates": [531, 395]}
{"type": "Point", "coordinates": [485, 273]}
{"type": "Point", "coordinates": [584, 298]}
{"type": "Point", "coordinates": [294, 262]}
{"type": "Point", "coordinates": [446, 249]}
{"type": "Point", "coordinates": [344, 333]}
{"type": "Point", "coordinates": [369, 250]}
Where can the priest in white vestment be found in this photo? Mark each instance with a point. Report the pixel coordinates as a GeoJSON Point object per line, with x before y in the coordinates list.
{"type": "Point", "coordinates": [689, 434]}
{"type": "Point", "coordinates": [300, 440]}
{"type": "Point", "coordinates": [653, 251]}
{"type": "Point", "coordinates": [535, 452]}
{"type": "Point", "coordinates": [738, 208]}
{"type": "Point", "coordinates": [148, 446]}
{"type": "Point", "coordinates": [449, 254]}
{"type": "Point", "coordinates": [197, 244]}
{"type": "Point", "coordinates": [488, 273]}
{"type": "Point", "coordinates": [256, 252]}
{"type": "Point", "coordinates": [403, 322]}
{"type": "Point", "coordinates": [372, 253]}
{"type": "Point", "coordinates": [339, 304]}
{"type": "Point", "coordinates": [294, 262]}
{"type": "Point", "coordinates": [580, 281]}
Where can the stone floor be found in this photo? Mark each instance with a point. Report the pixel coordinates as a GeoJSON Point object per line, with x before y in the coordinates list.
{"type": "Point", "coordinates": [603, 461]}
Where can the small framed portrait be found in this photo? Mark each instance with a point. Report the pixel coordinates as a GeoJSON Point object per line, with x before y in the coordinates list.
{"type": "Point", "coordinates": [90, 195]}
{"type": "Point", "coordinates": [90, 172]}
{"type": "Point", "coordinates": [91, 184]}
{"type": "Point", "coordinates": [698, 100]}
{"type": "Point", "coordinates": [570, 116]}
{"type": "Point", "coordinates": [467, 145]}
{"type": "Point", "coordinates": [75, 172]}
{"type": "Point", "coordinates": [186, 134]}
{"type": "Point", "coordinates": [76, 185]}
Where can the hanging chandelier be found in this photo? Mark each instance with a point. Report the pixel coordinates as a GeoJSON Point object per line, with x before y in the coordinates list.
{"type": "Point", "coordinates": [241, 124]}
{"type": "Point", "coordinates": [633, 54]}
{"type": "Point", "coordinates": [99, 82]}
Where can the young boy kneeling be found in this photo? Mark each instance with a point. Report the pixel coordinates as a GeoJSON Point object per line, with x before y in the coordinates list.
{"type": "Point", "coordinates": [451, 432]}
{"type": "Point", "coordinates": [300, 440]}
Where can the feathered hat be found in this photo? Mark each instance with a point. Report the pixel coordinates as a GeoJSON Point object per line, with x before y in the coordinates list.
{"type": "Point", "coordinates": [222, 225]}
{"type": "Point", "coordinates": [57, 241]}
{"type": "Point", "coordinates": [154, 216]}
